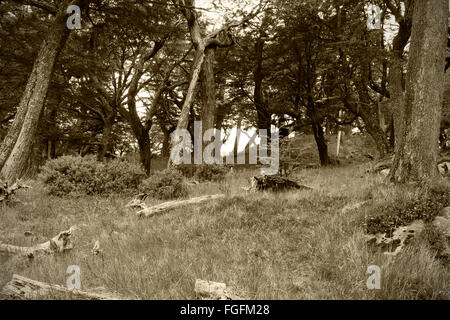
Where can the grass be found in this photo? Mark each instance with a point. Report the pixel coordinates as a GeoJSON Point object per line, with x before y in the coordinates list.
{"type": "Point", "coordinates": [292, 245]}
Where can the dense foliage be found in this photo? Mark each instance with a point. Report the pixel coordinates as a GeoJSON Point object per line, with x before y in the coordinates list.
{"type": "Point", "coordinates": [388, 216]}
{"type": "Point", "coordinates": [164, 185]}
{"type": "Point", "coordinates": [210, 172]}
{"type": "Point", "coordinates": [85, 175]}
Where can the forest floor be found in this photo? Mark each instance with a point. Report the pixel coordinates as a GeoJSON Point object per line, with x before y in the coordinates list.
{"type": "Point", "coordinates": [291, 245]}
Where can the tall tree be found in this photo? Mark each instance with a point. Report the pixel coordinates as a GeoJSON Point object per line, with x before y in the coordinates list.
{"type": "Point", "coordinates": [416, 155]}
{"type": "Point", "coordinates": [16, 147]}
{"type": "Point", "coordinates": [397, 61]}
{"type": "Point", "coordinates": [203, 64]}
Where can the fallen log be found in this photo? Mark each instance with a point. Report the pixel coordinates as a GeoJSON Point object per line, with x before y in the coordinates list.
{"type": "Point", "coordinates": [151, 211]}
{"type": "Point", "coordinates": [60, 243]}
{"type": "Point", "coordinates": [24, 288]}
{"type": "Point", "coordinates": [275, 184]}
{"type": "Point", "coordinates": [210, 290]}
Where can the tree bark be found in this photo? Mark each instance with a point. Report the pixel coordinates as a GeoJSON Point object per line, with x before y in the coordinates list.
{"type": "Point", "coordinates": [321, 143]}
{"type": "Point", "coordinates": [16, 147]}
{"type": "Point", "coordinates": [24, 288]}
{"type": "Point", "coordinates": [141, 130]}
{"type": "Point", "coordinates": [165, 152]}
{"type": "Point", "coordinates": [58, 244]}
{"type": "Point", "coordinates": [183, 120]}
{"type": "Point", "coordinates": [373, 128]}
{"type": "Point", "coordinates": [145, 151]}
{"type": "Point", "coordinates": [208, 90]}
{"type": "Point", "coordinates": [204, 54]}
{"type": "Point", "coordinates": [107, 138]}
{"type": "Point", "coordinates": [416, 154]}
{"type": "Point", "coordinates": [396, 77]}
{"type": "Point", "coordinates": [264, 116]}
{"type": "Point", "coordinates": [170, 205]}
{"type": "Point", "coordinates": [369, 112]}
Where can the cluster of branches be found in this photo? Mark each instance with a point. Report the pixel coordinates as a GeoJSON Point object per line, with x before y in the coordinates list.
{"type": "Point", "coordinates": [137, 70]}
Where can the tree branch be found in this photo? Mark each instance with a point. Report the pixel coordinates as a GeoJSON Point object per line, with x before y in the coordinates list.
{"type": "Point", "coordinates": [40, 4]}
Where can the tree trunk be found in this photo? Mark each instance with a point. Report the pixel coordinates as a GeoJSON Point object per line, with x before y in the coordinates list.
{"type": "Point", "coordinates": [264, 117]}
{"type": "Point", "coordinates": [396, 82]}
{"type": "Point", "coordinates": [204, 55]}
{"type": "Point", "coordinates": [321, 143]}
{"type": "Point", "coordinates": [140, 131]}
{"type": "Point", "coordinates": [16, 147]}
{"type": "Point", "coordinates": [208, 90]}
{"type": "Point", "coordinates": [183, 121]}
{"type": "Point", "coordinates": [52, 133]}
{"type": "Point", "coordinates": [416, 155]}
{"type": "Point", "coordinates": [374, 130]}
{"type": "Point", "coordinates": [165, 152]}
{"type": "Point", "coordinates": [107, 139]}
{"type": "Point", "coordinates": [369, 112]}
{"type": "Point", "coordinates": [145, 151]}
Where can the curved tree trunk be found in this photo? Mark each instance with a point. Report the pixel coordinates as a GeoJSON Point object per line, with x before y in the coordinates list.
{"type": "Point", "coordinates": [183, 121]}
{"type": "Point", "coordinates": [16, 147]}
{"type": "Point", "coordinates": [369, 112]}
{"type": "Point", "coordinates": [416, 155]}
{"type": "Point", "coordinates": [374, 129]}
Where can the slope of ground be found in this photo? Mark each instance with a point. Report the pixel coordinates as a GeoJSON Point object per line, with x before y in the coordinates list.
{"type": "Point", "coordinates": [293, 245]}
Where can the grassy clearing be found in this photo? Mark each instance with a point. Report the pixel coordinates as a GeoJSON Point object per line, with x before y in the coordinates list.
{"type": "Point", "coordinates": [293, 245]}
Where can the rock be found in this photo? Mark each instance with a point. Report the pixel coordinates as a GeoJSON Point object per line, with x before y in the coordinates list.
{"type": "Point", "coordinates": [444, 167]}
{"type": "Point", "coordinates": [446, 212]}
{"type": "Point", "coordinates": [210, 290]}
{"type": "Point", "coordinates": [443, 225]}
{"type": "Point", "coordinates": [400, 237]}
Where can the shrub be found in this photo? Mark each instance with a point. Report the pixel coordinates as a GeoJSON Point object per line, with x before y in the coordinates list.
{"type": "Point", "coordinates": [210, 172]}
{"type": "Point", "coordinates": [187, 170]}
{"type": "Point", "coordinates": [386, 218]}
{"type": "Point", "coordinates": [164, 185]}
{"type": "Point", "coordinates": [84, 175]}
